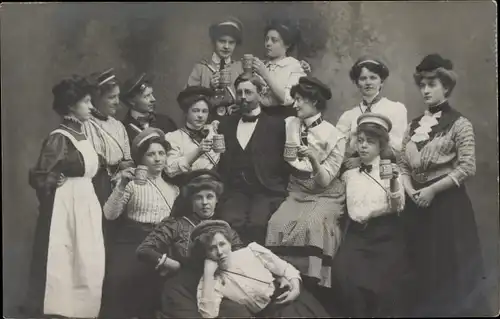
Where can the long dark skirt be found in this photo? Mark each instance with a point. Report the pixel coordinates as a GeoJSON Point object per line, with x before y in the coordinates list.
{"type": "Point", "coordinates": [444, 248]}
{"type": "Point", "coordinates": [370, 271]}
{"type": "Point", "coordinates": [179, 301]}
{"type": "Point", "coordinates": [131, 288]}
{"type": "Point", "coordinates": [33, 304]}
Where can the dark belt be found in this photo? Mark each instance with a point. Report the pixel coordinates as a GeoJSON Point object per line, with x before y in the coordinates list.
{"type": "Point", "coordinates": [389, 218]}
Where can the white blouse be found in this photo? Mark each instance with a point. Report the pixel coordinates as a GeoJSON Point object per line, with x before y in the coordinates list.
{"type": "Point", "coordinates": [366, 199]}
{"type": "Point", "coordinates": [395, 111]}
{"type": "Point", "coordinates": [287, 73]}
{"type": "Point", "coordinates": [181, 144]}
{"type": "Point", "coordinates": [253, 261]}
{"type": "Point", "coordinates": [326, 140]}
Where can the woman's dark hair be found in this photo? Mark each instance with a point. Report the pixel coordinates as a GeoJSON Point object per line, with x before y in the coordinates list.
{"type": "Point", "coordinates": [189, 101]}
{"type": "Point", "coordinates": [99, 90]}
{"type": "Point", "coordinates": [68, 92]}
{"type": "Point", "coordinates": [434, 66]}
{"type": "Point", "coordinates": [254, 79]}
{"type": "Point", "coordinates": [288, 33]}
{"type": "Point", "coordinates": [202, 183]}
{"type": "Point", "coordinates": [378, 132]}
{"type": "Point", "coordinates": [376, 67]}
{"type": "Point", "coordinates": [145, 146]}
{"type": "Point", "coordinates": [199, 246]}
{"type": "Point", "coordinates": [310, 93]}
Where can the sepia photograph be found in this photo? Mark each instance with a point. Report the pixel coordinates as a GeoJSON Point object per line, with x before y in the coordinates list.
{"type": "Point", "coordinates": [310, 159]}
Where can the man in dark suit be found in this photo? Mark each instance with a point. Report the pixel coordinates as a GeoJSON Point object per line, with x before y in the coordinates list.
{"type": "Point", "coordinates": [254, 171]}
{"type": "Point", "coordinates": [137, 94]}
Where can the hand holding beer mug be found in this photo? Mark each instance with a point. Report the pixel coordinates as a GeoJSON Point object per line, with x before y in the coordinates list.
{"type": "Point", "coordinates": [125, 176]}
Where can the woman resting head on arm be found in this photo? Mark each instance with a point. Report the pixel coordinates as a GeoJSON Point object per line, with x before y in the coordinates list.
{"type": "Point", "coordinates": [245, 276]}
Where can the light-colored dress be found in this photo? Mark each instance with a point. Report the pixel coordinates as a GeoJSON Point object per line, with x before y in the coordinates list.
{"type": "Point", "coordinates": [75, 261]}
{"type": "Point", "coordinates": [395, 111]}
{"type": "Point", "coordinates": [247, 281]}
{"type": "Point", "coordinates": [309, 215]}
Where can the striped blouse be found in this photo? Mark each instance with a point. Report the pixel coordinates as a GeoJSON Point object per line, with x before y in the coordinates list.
{"type": "Point", "coordinates": [149, 203]}
{"type": "Point", "coordinates": [109, 138]}
{"type": "Point", "coordinates": [439, 144]}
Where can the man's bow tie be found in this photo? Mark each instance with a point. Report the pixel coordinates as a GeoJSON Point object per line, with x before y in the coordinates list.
{"type": "Point", "coordinates": [366, 168]}
{"type": "Point", "coordinates": [250, 118]}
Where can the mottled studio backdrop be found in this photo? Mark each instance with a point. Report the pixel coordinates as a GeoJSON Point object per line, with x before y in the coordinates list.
{"type": "Point", "coordinates": [40, 43]}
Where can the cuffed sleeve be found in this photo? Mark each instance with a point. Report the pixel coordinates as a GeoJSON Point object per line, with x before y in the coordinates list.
{"type": "Point", "coordinates": [157, 242]}
{"type": "Point", "coordinates": [209, 308]}
{"type": "Point", "coordinates": [397, 199]}
{"type": "Point", "coordinates": [117, 202]}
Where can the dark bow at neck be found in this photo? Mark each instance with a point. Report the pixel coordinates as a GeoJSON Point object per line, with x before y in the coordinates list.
{"type": "Point", "coordinates": [250, 118]}
{"type": "Point", "coordinates": [365, 168]}
{"type": "Point", "coordinates": [198, 134]}
{"type": "Point", "coordinates": [443, 106]}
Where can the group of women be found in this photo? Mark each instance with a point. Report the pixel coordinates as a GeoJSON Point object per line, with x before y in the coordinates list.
{"type": "Point", "coordinates": [376, 222]}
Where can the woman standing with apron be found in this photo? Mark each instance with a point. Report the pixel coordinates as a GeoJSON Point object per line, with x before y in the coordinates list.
{"type": "Point", "coordinates": [68, 255]}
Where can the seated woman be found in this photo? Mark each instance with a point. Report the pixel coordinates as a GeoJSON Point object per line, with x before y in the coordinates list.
{"type": "Point", "coordinates": [131, 289]}
{"type": "Point", "coordinates": [370, 269]}
{"type": "Point", "coordinates": [191, 146]}
{"type": "Point", "coordinates": [304, 229]}
{"type": "Point", "coordinates": [166, 247]}
{"type": "Point", "coordinates": [246, 277]}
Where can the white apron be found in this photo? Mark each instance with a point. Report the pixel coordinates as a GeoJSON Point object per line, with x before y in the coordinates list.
{"type": "Point", "coordinates": [75, 258]}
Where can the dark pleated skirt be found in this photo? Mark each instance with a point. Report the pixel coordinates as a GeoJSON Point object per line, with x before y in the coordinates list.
{"type": "Point", "coordinates": [371, 274]}
{"type": "Point", "coordinates": [444, 248]}
{"type": "Point", "coordinates": [131, 288]}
